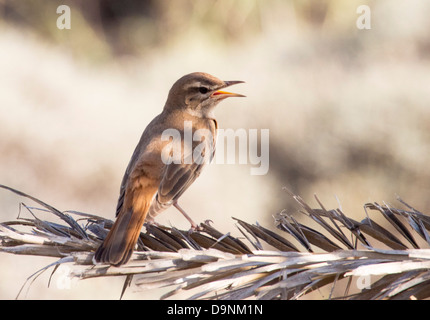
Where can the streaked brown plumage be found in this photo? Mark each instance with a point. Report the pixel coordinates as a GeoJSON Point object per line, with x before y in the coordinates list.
{"type": "Point", "coordinates": [149, 185]}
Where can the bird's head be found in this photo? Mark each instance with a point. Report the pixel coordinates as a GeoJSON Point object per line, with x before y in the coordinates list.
{"type": "Point", "coordinates": [198, 93]}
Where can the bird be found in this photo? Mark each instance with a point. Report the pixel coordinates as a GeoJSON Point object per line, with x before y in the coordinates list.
{"type": "Point", "coordinates": [152, 183]}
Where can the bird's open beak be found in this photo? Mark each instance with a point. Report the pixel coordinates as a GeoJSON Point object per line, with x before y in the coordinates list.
{"type": "Point", "coordinates": [219, 94]}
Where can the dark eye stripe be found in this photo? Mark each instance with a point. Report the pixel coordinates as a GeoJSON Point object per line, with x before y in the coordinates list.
{"type": "Point", "coordinates": [203, 90]}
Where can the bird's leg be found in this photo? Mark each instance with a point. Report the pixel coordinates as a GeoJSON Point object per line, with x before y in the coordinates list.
{"type": "Point", "coordinates": [194, 225]}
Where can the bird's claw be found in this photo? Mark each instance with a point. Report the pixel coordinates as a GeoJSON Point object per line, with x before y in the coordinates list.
{"type": "Point", "coordinates": [208, 221]}
{"type": "Point", "coordinates": [195, 228]}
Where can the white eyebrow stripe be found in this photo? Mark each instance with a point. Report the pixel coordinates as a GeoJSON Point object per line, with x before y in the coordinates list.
{"type": "Point", "coordinates": [193, 85]}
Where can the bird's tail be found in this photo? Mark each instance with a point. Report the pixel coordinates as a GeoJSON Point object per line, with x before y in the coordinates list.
{"type": "Point", "coordinates": [119, 244]}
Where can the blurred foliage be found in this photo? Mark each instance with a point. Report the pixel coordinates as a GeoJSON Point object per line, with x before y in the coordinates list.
{"type": "Point", "coordinates": [133, 26]}
{"type": "Point", "coordinates": [139, 27]}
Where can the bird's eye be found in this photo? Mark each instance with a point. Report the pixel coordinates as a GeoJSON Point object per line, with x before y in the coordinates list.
{"type": "Point", "coordinates": [203, 90]}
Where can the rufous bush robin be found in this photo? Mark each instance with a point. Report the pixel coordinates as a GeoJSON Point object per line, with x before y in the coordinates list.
{"type": "Point", "coordinates": [151, 184]}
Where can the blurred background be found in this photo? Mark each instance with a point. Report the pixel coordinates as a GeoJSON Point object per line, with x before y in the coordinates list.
{"type": "Point", "coordinates": [348, 109]}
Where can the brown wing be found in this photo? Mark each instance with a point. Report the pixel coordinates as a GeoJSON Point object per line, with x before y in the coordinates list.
{"type": "Point", "coordinates": [178, 177]}
{"type": "Point", "coordinates": [131, 164]}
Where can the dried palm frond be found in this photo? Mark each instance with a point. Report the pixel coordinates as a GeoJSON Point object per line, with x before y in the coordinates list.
{"type": "Point", "coordinates": [215, 265]}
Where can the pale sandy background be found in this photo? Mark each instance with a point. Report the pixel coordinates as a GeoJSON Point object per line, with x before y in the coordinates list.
{"type": "Point", "coordinates": [348, 109]}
